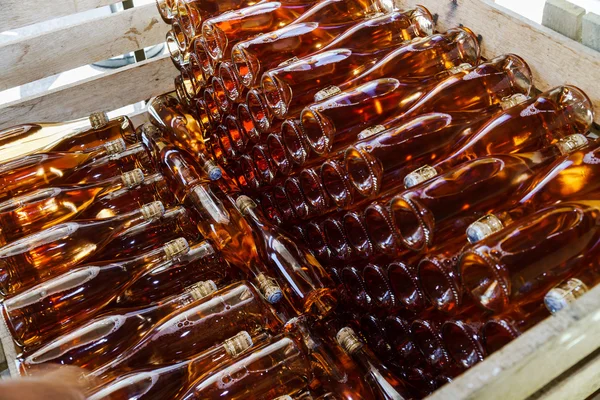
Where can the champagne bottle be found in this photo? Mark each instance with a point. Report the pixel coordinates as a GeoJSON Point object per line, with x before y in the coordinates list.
{"type": "Point", "coordinates": [463, 341]}
{"type": "Point", "coordinates": [420, 211]}
{"type": "Point", "coordinates": [307, 282]}
{"type": "Point", "coordinates": [57, 249]}
{"type": "Point", "coordinates": [43, 208]}
{"type": "Point", "coordinates": [564, 294]}
{"type": "Point", "coordinates": [102, 339]}
{"type": "Point", "coordinates": [42, 312]}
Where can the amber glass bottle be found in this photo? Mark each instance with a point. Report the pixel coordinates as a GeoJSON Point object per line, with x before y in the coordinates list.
{"type": "Point", "coordinates": [167, 382]}
{"type": "Point", "coordinates": [196, 327]}
{"type": "Point", "coordinates": [337, 68]}
{"type": "Point", "coordinates": [554, 114]}
{"type": "Point", "coordinates": [101, 339]}
{"type": "Point", "coordinates": [338, 120]}
{"type": "Point", "coordinates": [57, 249]}
{"type": "Point", "coordinates": [38, 314]}
{"type": "Point", "coordinates": [522, 262]}
{"type": "Point", "coordinates": [223, 31]}
{"type": "Point", "coordinates": [307, 283]}
{"type": "Point", "coordinates": [474, 186]}
{"type": "Point", "coordinates": [43, 208]}
{"type": "Point", "coordinates": [565, 293]}
{"type": "Point", "coordinates": [314, 30]}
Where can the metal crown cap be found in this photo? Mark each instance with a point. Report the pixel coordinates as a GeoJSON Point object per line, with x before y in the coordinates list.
{"type": "Point", "coordinates": [348, 340]}
{"type": "Point", "coordinates": [115, 146]}
{"type": "Point", "coordinates": [483, 227]}
{"type": "Point", "coordinates": [156, 209]}
{"type": "Point", "coordinates": [176, 247]}
{"type": "Point", "coordinates": [237, 344]}
{"type": "Point", "coordinates": [269, 288]}
{"type": "Point", "coordinates": [98, 120]}
{"type": "Point", "coordinates": [244, 202]}
{"type": "Point", "coordinates": [213, 170]}
{"type": "Point", "coordinates": [202, 289]}
{"type": "Point", "coordinates": [132, 178]}
{"type": "Point", "coordinates": [419, 175]}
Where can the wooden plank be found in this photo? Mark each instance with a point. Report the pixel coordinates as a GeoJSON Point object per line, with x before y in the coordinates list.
{"type": "Point", "coordinates": [49, 53]}
{"type": "Point", "coordinates": [19, 13]}
{"type": "Point", "coordinates": [536, 358]}
{"type": "Point", "coordinates": [554, 59]}
{"type": "Point", "coordinates": [108, 91]}
{"type": "Point", "coordinates": [8, 347]}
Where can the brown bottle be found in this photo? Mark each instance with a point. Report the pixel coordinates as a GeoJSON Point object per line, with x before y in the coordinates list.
{"type": "Point", "coordinates": [357, 234]}
{"type": "Point", "coordinates": [521, 263]}
{"type": "Point", "coordinates": [307, 284]}
{"type": "Point", "coordinates": [167, 382]}
{"type": "Point", "coordinates": [406, 287]}
{"type": "Point", "coordinates": [527, 126]}
{"type": "Point", "coordinates": [41, 313]}
{"type": "Point", "coordinates": [340, 119]}
{"type": "Point", "coordinates": [234, 89]}
{"type": "Point", "coordinates": [426, 336]}
{"type": "Point", "coordinates": [463, 342]}
{"type": "Point", "coordinates": [196, 327]}
{"type": "Point", "coordinates": [337, 68]}
{"type": "Point", "coordinates": [43, 208]}
{"type": "Point", "coordinates": [378, 287]}
{"type": "Point", "coordinates": [225, 30]}
{"type": "Point", "coordinates": [565, 293]}
{"type": "Point", "coordinates": [57, 249]}
{"type": "Point", "coordinates": [102, 339]}
{"type": "Point", "coordinates": [314, 30]}
{"type": "Point", "coordinates": [474, 186]}
{"type": "Point", "coordinates": [78, 135]}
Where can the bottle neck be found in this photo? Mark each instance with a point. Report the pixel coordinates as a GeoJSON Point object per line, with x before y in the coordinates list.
{"type": "Point", "coordinates": [161, 258]}
{"type": "Point", "coordinates": [146, 214]}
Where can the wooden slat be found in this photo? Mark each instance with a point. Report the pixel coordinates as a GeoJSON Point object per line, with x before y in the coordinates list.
{"type": "Point", "coordinates": [8, 347]}
{"type": "Point", "coordinates": [108, 91]}
{"type": "Point", "coordinates": [536, 358]}
{"type": "Point", "coordinates": [554, 59]}
{"type": "Point", "coordinates": [19, 13]}
{"type": "Point", "coordinates": [60, 50]}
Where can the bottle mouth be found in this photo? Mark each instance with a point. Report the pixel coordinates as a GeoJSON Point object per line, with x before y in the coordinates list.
{"type": "Point", "coordinates": [460, 342]}
{"type": "Point", "coordinates": [316, 240]}
{"type": "Point", "coordinates": [262, 164]}
{"type": "Point", "coordinates": [378, 286]}
{"type": "Point", "coordinates": [496, 334]}
{"type": "Point", "coordinates": [284, 205]}
{"type": "Point", "coordinates": [381, 229]}
{"type": "Point", "coordinates": [279, 157]}
{"type": "Point", "coordinates": [469, 51]}
{"type": "Point", "coordinates": [296, 198]}
{"type": "Point", "coordinates": [428, 340]}
{"type": "Point", "coordinates": [577, 107]}
{"type": "Point", "coordinates": [214, 114]}
{"type": "Point", "coordinates": [422, 21]}
{"type": "Point", "coordinates": [292, 136]}
{"type": "Point", "coordinates": [355, 287]}
{"type": "Point", "coordinates": [437, 285]}
{"type": "Point", "coordinates": [216, 41]}
{"type": "Point", "coordinates": [244, 65]}
{"type": "Point", "coordinates": [356, 233]}
{"type": "Point", "coordinates": [335, 183]}
{"type": "Point", "coordinates": [414, 230]}
{"type": "Point", "coordinates": [258, 111]}
{"type": "Point", "coordinates": [220, 97]}
{"type": "Point", "coordinates": [235, 134]}
{"type": "Point", "coordinates": [246, 123]}
{"type": "Point", "coordinates": [166, 10]}
{"type": "Point", "coordinates": [482, 279]}
{"type": "Point", "coordinates": [405, 287]}
{"type": "Point", "coordinates": [270, 209]}
{"type": "Point", "coordinates": [184, 15]}
{"type": "Point", "coordinates": [318, 130]}
{"type": "Point", "coordinates": [277, 96]}
{"type": "Point", "coordinates": [249, 172]}
{"type": "Point", "coordinates": [225, 143]}
{"type": "Point", "coordinates": [336, 239]}
{"type": "Point", "coordinates": [519, 79]}
{"type": "Point", "coordinates": [361, 172]}
{"type": "Point", "coordinates": [206, 63]}
{"type": "Point", "coordinates": [312, 188]}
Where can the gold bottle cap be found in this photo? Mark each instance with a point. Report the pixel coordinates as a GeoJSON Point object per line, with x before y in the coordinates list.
{"type": "Point", "coordinates": [269, 288]}
{"type": "Point", "coordinates": [326, 93]}
{"type": "Point", "coordinates": [115, 147]}
{"type": "Point", "coordinates": [571, 143]}
{"type": "Point", "coordinates": [483, 227]}
{"type": "Point", "coordinates": [237, 344]}
{"type": "Point", "coordinates": [98, 120]}
{"type": "Point", "coordinates": [244, 203]}
{"type": "Point", "coordinates": [419, 175]}
{"type": "Point", "coordinates": [176, 248]}
{"type": "Point", "coordinates": [459, 68]}
{"type": "Point", "coordinates": [202, 289]}
{"type": "Point", "coordinates": [374, 130]}
{"type": "Point", "coordinates": [348, 340]}
{"type": "Point", "coordinates": [511, 101]}
{"type": "Point", "coordinates": [564, 294]}
{"type": "Point", "coordinates": [132, 178]}
{"type": "Point", "coordinates": [153, 210]}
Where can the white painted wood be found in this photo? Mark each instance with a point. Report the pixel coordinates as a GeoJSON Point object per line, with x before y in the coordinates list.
{"type": "Point", "coordinates": [563, 17]}
{"type": "Point", "coordinates": [32, 58]}
{"type": "Point", "coordinates": [108, 91]}
{"type": "Point", "coordinates": [18, 13]}
{"type": "Point", "coordinates": [554, 59]}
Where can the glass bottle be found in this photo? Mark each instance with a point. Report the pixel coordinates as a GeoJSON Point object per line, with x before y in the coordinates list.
{"type": "Point", "coordinates": [426, 336]}
{"type": "Point", "coordinates": [527, 126]}
{"type": "Point", "coordinates": [463, 341]}
{"type": "Point", "coordinates": [337, 68]}
{"type": "Point", "coordinates": [406, 287]}
{"type": "Point", "coordinates": [57, 249]}
{"type": "Point", "coordinates": [307, 282]}
{"type": "Point", "coordinates": [166, 9]}
{"type": "Point", "coordinates": [315, 29]}
{"type": "Point", "coordinates": [196, 327]}
{"type": "Point", "coordinates": [522, 262]}
{"type": "Point", "coordinates": [77, 135]}
{"type": "Point", "coordinates": [474, 186]}
{"type": "Point", "coordinates": [50, 308]}
{"type": "Point", "coordinates": [378, 287]}
{"type": "Point", "coordinates": [234, 89]}
{"type": "Point", "coordinates": [225, 30]}
{"type": "Point", "coordinates": [270, 370]}
{"type": "Point", "coordinates": [43, 208]}
{"type": "Point", "coordinates": [338, 120]}
{"type": "Point", "coordinates": [564, 294]}
{"type": "Point", "coordinates": [355, 289]}
{"type": "Point", "coordinates": [167, 382]}
{"type": "Point", "coordinates": [357, 234]}
{"type": "Point", "coordinates": [383, 383]}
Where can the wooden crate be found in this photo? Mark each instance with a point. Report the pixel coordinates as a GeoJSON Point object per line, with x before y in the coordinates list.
{"type": "Point", "coordinates": [557, 359]}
